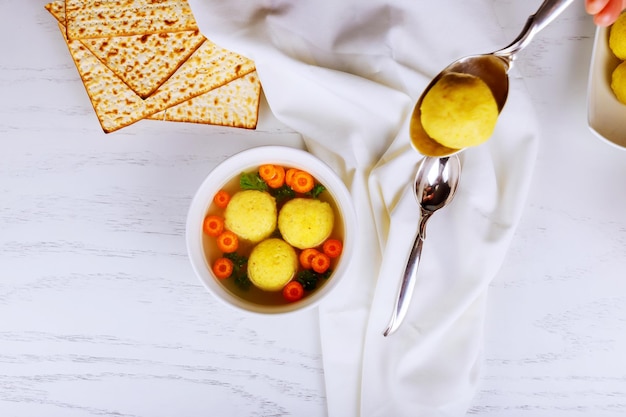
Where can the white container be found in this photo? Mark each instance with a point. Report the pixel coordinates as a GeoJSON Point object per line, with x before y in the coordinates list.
{"type": "Point", "coordinates": [249, 160]}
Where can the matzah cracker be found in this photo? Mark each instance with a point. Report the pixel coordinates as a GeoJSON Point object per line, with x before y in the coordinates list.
{"type": "Point", "coordinates": [209, 67]}
{"type": "Point", "coordinates": [143, 62]}
{"type": "Point", "coordinates": [117, 105]}
{"type": "Point", "coordinates": [57, 9]}
{"type": "Point", "coordinates": [107, 18]}
{"type": "Point", "coordinates": [235, 104]}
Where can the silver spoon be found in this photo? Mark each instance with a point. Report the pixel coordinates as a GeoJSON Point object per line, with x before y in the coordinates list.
{"type": "Point", "coordinates": [435, 184]}
{"type": "Point", "coordinates": [492, 68]}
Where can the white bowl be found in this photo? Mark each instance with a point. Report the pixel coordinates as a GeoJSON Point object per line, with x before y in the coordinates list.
{"type": "Point", "coordinates": [606, 116]}
{"type": "Point", "coordinates": [246, 161]}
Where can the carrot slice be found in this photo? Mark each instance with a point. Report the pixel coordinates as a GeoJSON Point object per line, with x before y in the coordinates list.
{"type": "Point", "coordinates": [332, 247]}
{"type": "Point", "coordinates": [267, 172]}
{"type": "Point", "coordinates": [279, 178]}
{"type": "Point", "coordinates": [221, 199]}
{"type": "Point", "coordinates": [213, 225]}
{"type": "Point", "coordinates": [320, 263]}
{"type": "Point", "coordinates": [289, 176]}
{"type": "Point", "coordinates": [306, 257]}
{"type": "Point", "coordinates": [227, 242]}
{"type": "Point", "coordinates": [293, 291]}
{"type": "Point", "coordinates": [222, 268]}
{"type": "Point", "coordinates": [303, 182]}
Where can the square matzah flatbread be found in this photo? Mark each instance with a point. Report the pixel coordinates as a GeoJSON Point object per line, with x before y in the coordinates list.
{"type": "Point", "coordinates": [117, 105]}
{"type": "Point", "coordinates": [143, 62]}
{"type": "Point", "coordinates": [108, 18]}
{"type": "Point", "coordinates": [234, 104]}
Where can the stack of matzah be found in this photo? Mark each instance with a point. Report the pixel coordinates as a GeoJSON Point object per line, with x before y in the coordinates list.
{"type": "Point", "coordinates": [146, 59]}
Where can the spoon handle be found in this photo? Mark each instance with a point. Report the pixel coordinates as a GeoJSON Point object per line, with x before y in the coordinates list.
{"type": "Point", "coordinates": [547, 12]}
{"type": "Point", "coordinates": [403, 300]}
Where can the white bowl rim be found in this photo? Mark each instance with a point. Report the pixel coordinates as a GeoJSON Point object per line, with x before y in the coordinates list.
{"type": "Point", "coordinates": [605, 114]}
{"type": "Point", "coordinates": [244, 161]}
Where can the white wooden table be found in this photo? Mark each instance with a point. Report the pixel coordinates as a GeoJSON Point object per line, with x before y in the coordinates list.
{"type": "Point", "coordinates": [101, 314]}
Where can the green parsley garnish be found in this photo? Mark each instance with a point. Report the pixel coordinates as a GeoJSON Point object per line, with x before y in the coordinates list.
{"type": "Point", "coordinates": [252, 181]}
{"type": "Point", "coordinates": [309, 279]}
{"type": "Point", "coordinates": [316, 190]}
{"type": "Point", "coordinates": [282, 194]}
{"type": "Point", "coordinates": [240, 274]}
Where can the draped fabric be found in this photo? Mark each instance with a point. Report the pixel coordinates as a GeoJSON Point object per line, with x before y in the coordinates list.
{"type": "Point", "coordinates": [345, 75]}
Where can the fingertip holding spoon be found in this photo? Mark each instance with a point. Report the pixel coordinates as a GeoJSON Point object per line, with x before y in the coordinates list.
{"type": "Point", "coordinates": [435, 184]}
{"type": "Point", "coordinates": [493, 68]}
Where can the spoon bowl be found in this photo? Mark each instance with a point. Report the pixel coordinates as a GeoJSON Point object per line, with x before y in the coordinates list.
{"type": "Point", "coordinates": [435, 184]}
{"type": "Point", "coordinates": [492, 68]}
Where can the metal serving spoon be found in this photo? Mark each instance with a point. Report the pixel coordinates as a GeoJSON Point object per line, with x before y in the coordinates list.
{"type": "Point", "coordinates": [435, 184]}
{"type": "Point", "coordinates": [492, 68]}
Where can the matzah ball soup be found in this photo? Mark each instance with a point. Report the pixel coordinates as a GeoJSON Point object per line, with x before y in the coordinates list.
{"type": "Point", "coordinates": [251, 191]}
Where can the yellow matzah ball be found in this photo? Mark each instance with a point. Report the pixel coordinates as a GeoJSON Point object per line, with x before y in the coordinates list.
{"type": "Point", "coordinates": [305, 223]}
{"type": "Point", "coordinates": [617, 37]}
{"type": "Point", "coordinates": [618, 82]}
{"type": "Point", "coordinates": [272, 264]}
{"type": "Point", "coordinates": [459, 111]}
{"type": "Point", "coordinates": [251, 215]}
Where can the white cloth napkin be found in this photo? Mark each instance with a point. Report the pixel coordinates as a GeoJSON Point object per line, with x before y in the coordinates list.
{"type": "Point", "coordinates": [345, 74]}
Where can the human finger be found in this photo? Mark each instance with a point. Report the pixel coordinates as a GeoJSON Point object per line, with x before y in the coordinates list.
{"type": "Point", "coordinates": [594, 7]}
{"type": "Point", "coordinates": [609, 14]}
